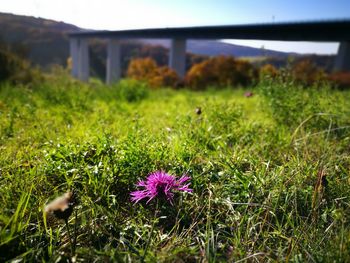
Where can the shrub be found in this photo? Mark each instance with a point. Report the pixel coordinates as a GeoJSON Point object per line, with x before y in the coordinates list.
{"type": "Point", "coordinates": [16, 70]}
{"type": "Point", "coordinates": [306, 72]}
{"type": "Point", "coordinates": [268, 70]}
{"type": "Point", "coordinates": [340, 80]}
{"type": "Point", "coordinates": [146, 69]}
{"type": "Point", "coordinates": [221, 71]}
{"type": "Point", "coordinates": [132, 90]}
{"type": "Point", "coordinates": [142, 69]}
{"type": "Point", "coordinates": [164, 76]}
{"type": "Point", "coordinates": [7, 62]}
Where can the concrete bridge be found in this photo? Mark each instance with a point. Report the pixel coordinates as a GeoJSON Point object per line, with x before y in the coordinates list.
{"type": "Point", "coordinates": [320, 31]}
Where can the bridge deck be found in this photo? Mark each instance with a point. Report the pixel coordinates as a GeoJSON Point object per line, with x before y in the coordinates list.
{"type": "Point", "coordinates": [323, 31]}
{"type": "Point", "coordinates": [329, 31]}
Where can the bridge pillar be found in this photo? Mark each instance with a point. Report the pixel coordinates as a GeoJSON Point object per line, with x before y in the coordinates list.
{"type": "Point", "coordinates": [79, 53]}
{"type": "Point", "coordinates": [74, 46]}
{"type": "Point", "coordinates": [113, 71]}
{"type": "Point", "coordinates": [83, 60]}
{"type": "Point", "coordinates": [177, 56]}
{"type": "Point", "coordinates": [342, 61]}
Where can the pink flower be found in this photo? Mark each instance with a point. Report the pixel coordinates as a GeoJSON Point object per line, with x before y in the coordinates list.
{"type": "Point", "coordinates": [160, 184]}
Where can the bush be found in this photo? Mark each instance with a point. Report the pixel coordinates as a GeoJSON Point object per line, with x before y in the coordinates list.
{"type": "Point", "coordinates": [16, 70]}
{"type": "Point", "coordinates": [131, 90]}
{"type": "Point", "coordinates": [268, 70]}
{"type": "Point", "coordinates": [305, 72]}
{"type": "Point", "coordinates": [147, 70]}
{"type": "Point", "coordinates": [221, 71]}
{"type": "Point", "coordinates": [340, 80]}
{"type": "Point", "coordinates": [164, 76]}
{"type": "Point", "coordinates": [141, 68]}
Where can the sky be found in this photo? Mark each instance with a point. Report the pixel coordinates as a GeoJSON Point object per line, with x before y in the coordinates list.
{"type": "Point", "coordinates": [136, 14]}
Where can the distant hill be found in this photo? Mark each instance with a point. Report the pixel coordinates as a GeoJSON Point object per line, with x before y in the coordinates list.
{"type": "Point", "coordinates": [45, 42]}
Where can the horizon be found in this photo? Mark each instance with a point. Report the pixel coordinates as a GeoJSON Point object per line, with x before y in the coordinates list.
{"type": "Point", "coordinates": [138, 14]}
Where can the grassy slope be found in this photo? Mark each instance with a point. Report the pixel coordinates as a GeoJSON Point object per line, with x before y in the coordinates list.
{"type": "Point", "coordinates": [253, 169]}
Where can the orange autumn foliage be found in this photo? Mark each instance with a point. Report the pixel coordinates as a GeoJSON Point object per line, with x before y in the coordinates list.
{"type": "Point", "coordinates": [268, 70]}
{"type": "Point", "coordinates": [340, 79]}
{"type": "Point", "coordinates": [307, 73]}
{"type": "Point", "coordinates": [165, 76]}
{"type": "Point", "coordinates": [141, 68]}
{"type": "Point", "coordinates": [221, 71]}
{"type": "Point", "coordinates": [146, 69]}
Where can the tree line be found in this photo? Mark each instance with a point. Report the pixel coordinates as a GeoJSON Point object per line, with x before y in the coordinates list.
{"type": "Point", "coordinates": [149, 64]}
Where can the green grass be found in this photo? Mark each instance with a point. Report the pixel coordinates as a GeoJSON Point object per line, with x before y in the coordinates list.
{"type": "Point", "coordinates": [254, 165]}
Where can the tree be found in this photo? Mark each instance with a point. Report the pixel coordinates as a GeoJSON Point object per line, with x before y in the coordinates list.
{"type": "Point", "coordinates": [15, 69]}
{"type": "Point", "coordinates": [268, 70]}
{"type": "Point", "coordinates": [146, 69]}
{"type": "Point", "coordinates": [340, 79]}
{"type": "Point", "coordinates": [142, 69]}
{"type": "Point", "coordinates": [221, 71]}
{"type": "Point", "coordinates": [307, 73]}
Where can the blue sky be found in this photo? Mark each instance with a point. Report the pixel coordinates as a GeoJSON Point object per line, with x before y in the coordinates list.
{"type": "Point", "coordinates": [127, 14]}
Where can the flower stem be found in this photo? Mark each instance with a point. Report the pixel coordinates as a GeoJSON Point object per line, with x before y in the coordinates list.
{"type": "Point", "coordinates": [75, 232]}
{"type": "Point", "coordinates": [150, 233]}
{"type": "Point", "coordinates": [70, 237]}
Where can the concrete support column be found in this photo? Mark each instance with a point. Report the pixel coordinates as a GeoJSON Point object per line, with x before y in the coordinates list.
{"type": "Point", "coordinates": [177, 56]}
{"type": "Point", "coordinates": [83, 60]}
{"type": "Point", "coordinates": [113, 71]}
{"type": "Point", "coordinates": [342, 61]}
{"type": "Point", "coordinates": [73, 42]}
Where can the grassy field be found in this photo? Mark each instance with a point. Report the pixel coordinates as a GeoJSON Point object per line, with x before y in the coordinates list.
{"type": "Point", "coordinates": [269, 173]}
